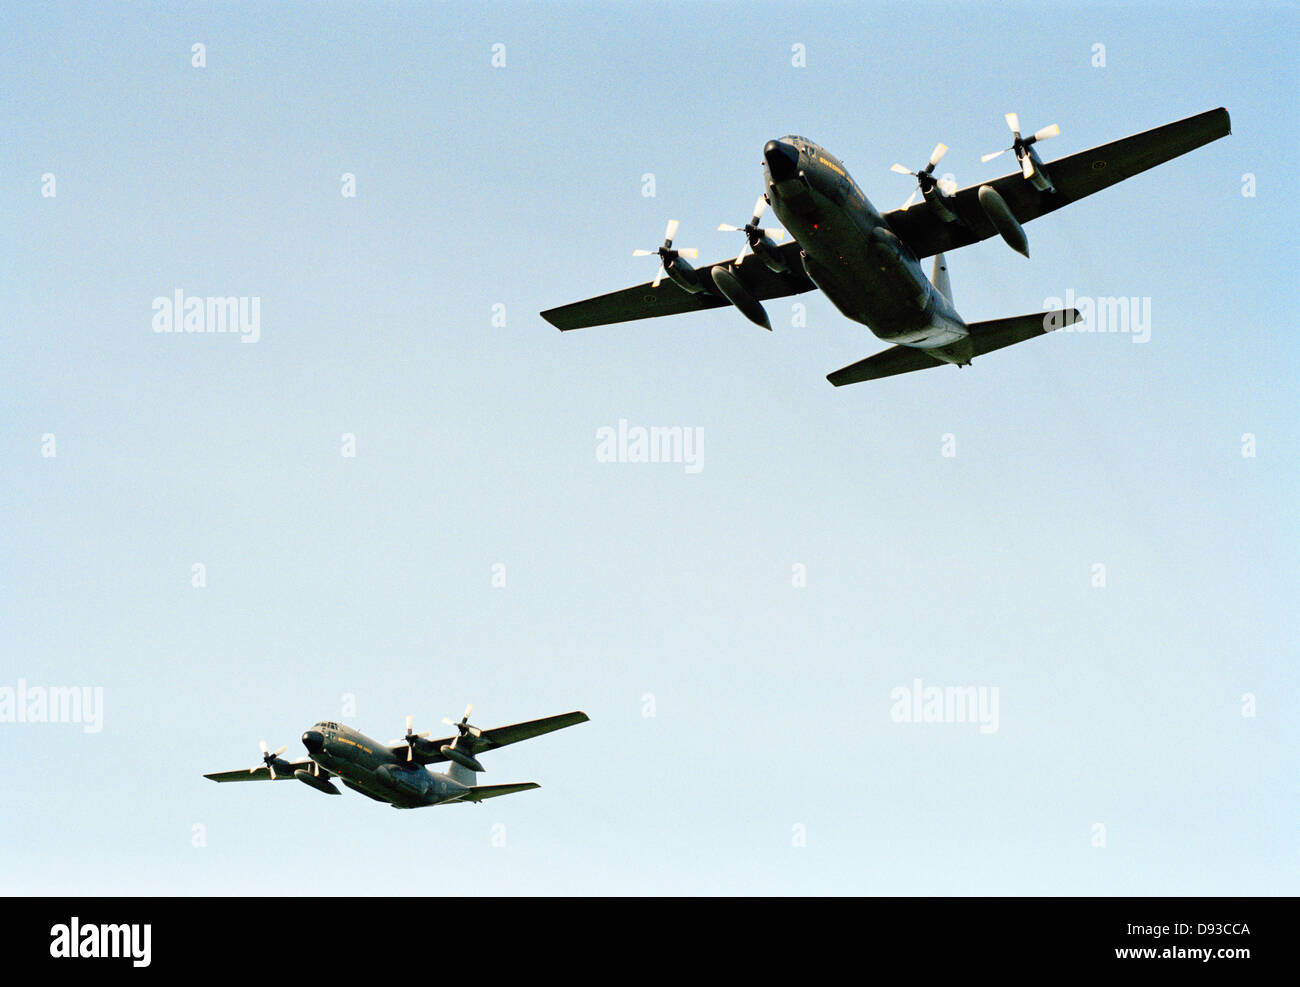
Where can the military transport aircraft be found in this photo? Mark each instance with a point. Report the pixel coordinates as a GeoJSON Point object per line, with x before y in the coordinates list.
{"type": "Point", "coordinates": [395, 773]}
{"type": "Point", "coordinates": [867, 263]}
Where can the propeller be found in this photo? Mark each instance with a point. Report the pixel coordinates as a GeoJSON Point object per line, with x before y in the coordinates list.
{"type": "Point", "coordinates": [925, 179]}
{"type": "Point", "coordinates": [411, 738]}
{"type": "Point", "coordinates": [1021, 144]}
{"type": "Point", "coordinates": [752, 230]}
{"type": "Point", "coordinates": [464, 726]}
{"type": "Point", "coordinates": [270, 759]}
{"type": "Point", "coordinates": [666, 255]}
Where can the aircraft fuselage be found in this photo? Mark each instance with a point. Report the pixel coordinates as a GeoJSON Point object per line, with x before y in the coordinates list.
{"type": "Point", "coordinates": [371, 768]}
{"type": "Point", "coordinates": [851, 254]}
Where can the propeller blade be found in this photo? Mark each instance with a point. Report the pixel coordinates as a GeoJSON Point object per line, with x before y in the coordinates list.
{"type": "Point", "coordinates": [777, 234]}
{"type": "Point", "coordinates": [1013, 121]}
{"type": "Point", "coordinates": [947, 186]}
{"type": "Point", "coordinates": [450, 723]}
{"type": "Point", "coordinates": [1046, 132]}
{"type": "Point", "coordinates": [669, 233]}
{"type": "Point", "coordinates": [899, 169]}
{"type": "Point", "coordinates": [410, 721]}
{"type": "Point", "coordinates": [279, 752]}
{"type": "Point", "coordinates": [728, 228]}
{"type": "Point", "coordinates": [262, 744]}
{"type": "Point", "coordinates": [643, 253]}
{"type": "Point", "coordinates": [410, 751]}
{"type": "Point", "coordinates": [996, 154]}
{"type": "Point", "coordinates": [911, 198]}
{"type": "Point", "coordinates": [658, 277]}
{"type": "Point", "coordinates": [937, 154]}
{"type": "Point", "coordinates": [475, 731]}
{"type": "Point", "coordinates": [740, 257]}
{"type": "Point", "coordinates": [1027, 166]}
{"type": "Point", "coordinates": [691, 252]}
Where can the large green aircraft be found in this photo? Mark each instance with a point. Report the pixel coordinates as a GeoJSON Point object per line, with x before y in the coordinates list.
{"type": "Point", "coordinates": [396, 773]}
{"type": "Point", "coordinates": [868, 263]}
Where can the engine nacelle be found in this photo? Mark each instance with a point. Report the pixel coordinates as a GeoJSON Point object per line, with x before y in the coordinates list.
{"type": "Point", "coordinates": [767, 251]}
{"type": "Point", "coordinates": [684, 275]}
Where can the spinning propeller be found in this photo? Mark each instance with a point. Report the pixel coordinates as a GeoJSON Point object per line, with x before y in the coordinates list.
{"type": "Point", "coordinates": [464, 726]}
{"type": "Point", "coordinates": [666, 255]}
{"type": "Point", "coordinates": [1021, 145]}
{"type": "Point", "coordinates": [753, 232]}
{"type": "Point", "coordinates": [411, 738]}
{"type": "Point", "coordinates": [271, 760]}
{"type": "Point", "coordinates": [925, 179]}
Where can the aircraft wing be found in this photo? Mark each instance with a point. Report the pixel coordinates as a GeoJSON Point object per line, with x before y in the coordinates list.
{"type": "Point", "coordinates": [263, 774]}
{"type": "Point", "coordinates": [429, 751]}
{"type": "Point", "coordinates": [480, 792]}
{"type": "Point", "coordinates": [1074, 177]}
{"type": "Point", "coordinates": [646, 302]}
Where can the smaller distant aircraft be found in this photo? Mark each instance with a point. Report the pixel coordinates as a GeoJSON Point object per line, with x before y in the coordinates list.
{"type": "Point", "coordinates": [396, 773]}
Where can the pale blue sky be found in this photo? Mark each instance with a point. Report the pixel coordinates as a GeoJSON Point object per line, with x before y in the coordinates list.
{"type": "Point", "coordinates": [521, 186]}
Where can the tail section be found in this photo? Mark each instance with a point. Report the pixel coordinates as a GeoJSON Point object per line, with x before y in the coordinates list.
{"type": "Point", "coordinates": [985, 337]}
{"type": "Point", "coordinates": [940, 277]}
{"type": "Point", "coordinates": [462, 774]}
{"type": "Point", "coordinates": [482, 792]}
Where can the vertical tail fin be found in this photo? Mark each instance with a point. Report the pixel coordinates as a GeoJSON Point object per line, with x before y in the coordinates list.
{"type": "Point", "coordinates": [940, 277]}
{"type": "Point", "coordinates": [462, 774]}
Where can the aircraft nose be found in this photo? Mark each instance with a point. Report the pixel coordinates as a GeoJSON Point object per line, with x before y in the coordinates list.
{"type": "Point", "coordinates": [782, 160]}
{"type": "Point", "coordinates": [313, 741]}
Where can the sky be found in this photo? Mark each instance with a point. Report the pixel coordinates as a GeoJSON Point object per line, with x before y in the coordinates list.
{"type": "Point", "coordinates": [1096, 530]}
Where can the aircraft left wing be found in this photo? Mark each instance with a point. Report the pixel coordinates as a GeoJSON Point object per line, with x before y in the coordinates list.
{"type": "Point", "coordinates": [429, 751]}
{"type": "Point", "coordinates": [1073, 177]}
{"type": "Point", "coordinates": [263, 774]}
{"type": "Point", "coordinates": [646, 302]}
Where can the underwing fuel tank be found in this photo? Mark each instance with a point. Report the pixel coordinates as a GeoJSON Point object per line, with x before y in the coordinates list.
{"type": "Point", "coordinates": [734, 291]}
{"type": "Point", "coordinates": [1004, 221]}
{"type": "Point", "coordinates": [315, 781]}
{"type": "Point", "coordinates": [460, 757]}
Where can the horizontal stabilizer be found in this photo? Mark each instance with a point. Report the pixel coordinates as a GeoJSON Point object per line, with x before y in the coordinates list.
{"type": "Point", "coordinates": [887, 363]}
{"type": "Point", "coordinates": [997, 333]}
{"type": "Point", "coordinates": [985, 337]}
{"type": "Point", "coordinates": [481, 792]}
